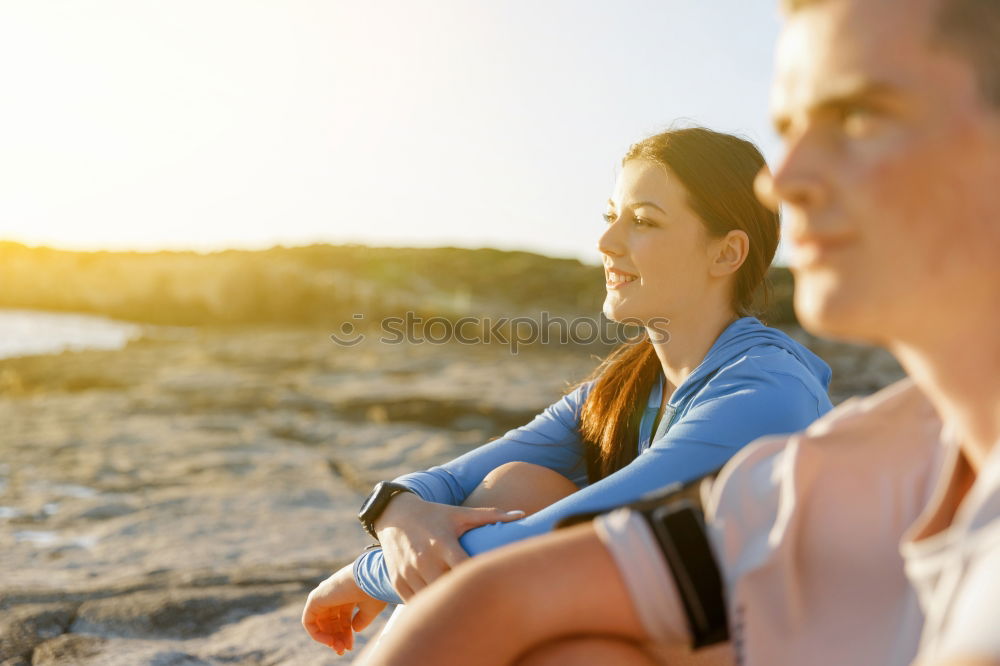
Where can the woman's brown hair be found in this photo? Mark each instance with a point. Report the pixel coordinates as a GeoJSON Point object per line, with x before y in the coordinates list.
{"type": "Point", "coordinates": [717, 171]}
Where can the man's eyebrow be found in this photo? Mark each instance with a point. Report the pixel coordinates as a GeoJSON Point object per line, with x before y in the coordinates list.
{"type": "Point", "coordinates": [836, 100]}
{"type": "Point", "coordinates": [639, 204]}
{"type": "Point", "coordinates": [850, 96]}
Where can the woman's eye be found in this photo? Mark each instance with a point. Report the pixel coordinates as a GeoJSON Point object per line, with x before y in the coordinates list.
{"type": "Point", "coordinates": [610, 218]}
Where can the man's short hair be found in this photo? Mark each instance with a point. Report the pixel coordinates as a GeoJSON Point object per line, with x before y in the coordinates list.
{"type": "Point", "coordinates": [970, 28]}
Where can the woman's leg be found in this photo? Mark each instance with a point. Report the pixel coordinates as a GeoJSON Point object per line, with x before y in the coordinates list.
{"type": "Point", "coordinates": [588, 651]}
{"type": "Point", "coordinates": [520, 485]}
{"type": "Point", "coordinates": [530, 487]}
{"type": "Point", "coordinates": [599, 650]}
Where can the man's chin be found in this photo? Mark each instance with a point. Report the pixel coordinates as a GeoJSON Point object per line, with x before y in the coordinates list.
{"type": "Point", "coordinates": [828, 310]}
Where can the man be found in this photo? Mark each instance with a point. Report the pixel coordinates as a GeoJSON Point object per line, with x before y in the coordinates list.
{"type": "Point", "coordinates": [890, 115]}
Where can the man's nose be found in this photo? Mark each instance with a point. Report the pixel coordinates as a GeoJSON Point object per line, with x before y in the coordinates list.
{"type": "Point", "coordinates": [763, 187]}
{"type": "Point", "coordinates": [799, 177]}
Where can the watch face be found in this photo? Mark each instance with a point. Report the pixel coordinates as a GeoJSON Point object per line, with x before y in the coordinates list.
{"type": "Point", "coordinates": [370, 500]}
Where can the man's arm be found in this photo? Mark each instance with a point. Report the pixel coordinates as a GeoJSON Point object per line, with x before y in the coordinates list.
{"type": "Point", "coordinates": [502, 604]}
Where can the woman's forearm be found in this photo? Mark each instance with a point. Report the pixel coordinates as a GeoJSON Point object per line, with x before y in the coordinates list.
{"type": "Point", "coordinates": [502, 604]}
{"type": "Point", "coordinates": [372, 577]}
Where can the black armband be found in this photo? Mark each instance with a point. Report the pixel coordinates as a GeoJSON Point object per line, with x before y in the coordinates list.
{"type": "Point", "coordinates": [672, 493]}
{"type": "Point", "coordinates": [679, 528]}
{"type": "Point", "coordinates": [676, 519]}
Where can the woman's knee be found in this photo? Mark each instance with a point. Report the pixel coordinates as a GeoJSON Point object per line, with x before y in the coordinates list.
{"type": "Point", "coordinates": [587, 651]}
{"type": "Point", "coordinates": [524, 472]}
{"type": "Point", "coordinates": [531, 487]}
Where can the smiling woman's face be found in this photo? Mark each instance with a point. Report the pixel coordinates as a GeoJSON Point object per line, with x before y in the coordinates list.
{"type": "Point", "coordinates": [655, 249]}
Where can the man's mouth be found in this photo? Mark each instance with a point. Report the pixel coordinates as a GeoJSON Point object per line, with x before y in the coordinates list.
{"type": "Point", "coordinates": [812, 249]}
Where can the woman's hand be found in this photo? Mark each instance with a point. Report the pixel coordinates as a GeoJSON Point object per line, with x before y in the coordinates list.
{"type": "Point", "coordinates": [329, 613]}
{"type": "Point", "coordinates": [420, 539]}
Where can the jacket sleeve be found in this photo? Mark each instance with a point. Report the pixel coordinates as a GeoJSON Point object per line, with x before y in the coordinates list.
{"type": "Point", "coordinates": [740, 404]}
{"type": "Point", "coordinates": [551, 439]}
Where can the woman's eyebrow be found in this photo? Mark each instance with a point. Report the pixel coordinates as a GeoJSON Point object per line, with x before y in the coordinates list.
{"type": "Point", "coordinates": [647, 204]}
{"type": "Point", "coordinates": [639, 204]}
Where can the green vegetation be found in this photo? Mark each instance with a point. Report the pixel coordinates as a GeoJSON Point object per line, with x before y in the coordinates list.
{"type": "Point", "coordinates": [316, 284]}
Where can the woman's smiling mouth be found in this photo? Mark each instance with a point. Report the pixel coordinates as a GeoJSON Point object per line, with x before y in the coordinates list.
{"type": "Point", "coordinates": [615, 279]}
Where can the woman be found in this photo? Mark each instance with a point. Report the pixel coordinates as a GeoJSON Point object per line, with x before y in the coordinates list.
{"type": "Point", "coordinates": [686, 248]}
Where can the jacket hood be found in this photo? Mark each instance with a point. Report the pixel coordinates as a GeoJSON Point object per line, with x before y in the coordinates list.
{"type": "Point", "coordinates": [736, 341]}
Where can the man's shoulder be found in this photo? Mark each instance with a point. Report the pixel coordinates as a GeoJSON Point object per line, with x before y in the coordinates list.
{"type": "Point", "coordinates": [892, 437]}
{"type": "Point", "coordinates": [899, 411]}
{"type": "Point", "coordinates": [898, 415]}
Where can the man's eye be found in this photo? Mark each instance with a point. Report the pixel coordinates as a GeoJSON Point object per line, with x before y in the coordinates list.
{"type": "Point", "coordinates": [782, 127]}
{"type": "Point", "coordinates": [609, 218]}
{"type": "Point", "coordinates": [858, 120]}
{"type": "Point", "coordinates": [642, 222]}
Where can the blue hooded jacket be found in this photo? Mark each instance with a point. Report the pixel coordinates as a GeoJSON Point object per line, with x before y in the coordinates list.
{"type": "Point", "coordinates": [754, 381]}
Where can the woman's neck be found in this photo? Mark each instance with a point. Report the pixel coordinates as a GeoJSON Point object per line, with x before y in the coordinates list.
{"type": "Point", "coordinates": [686, 344]}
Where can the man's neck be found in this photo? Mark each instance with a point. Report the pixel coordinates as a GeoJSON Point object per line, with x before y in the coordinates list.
{"type": "Point", "coordinates": [958, 369]}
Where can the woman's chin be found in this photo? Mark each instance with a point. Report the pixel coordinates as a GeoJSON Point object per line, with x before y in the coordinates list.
{"type": "Point", "coordinates": [623, 315]}
{"type": "Point", "coordinates": [610, 311]}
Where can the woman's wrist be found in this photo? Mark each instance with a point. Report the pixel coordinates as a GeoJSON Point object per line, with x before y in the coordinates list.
{"type": "Point", "coordinates": [397, 510]}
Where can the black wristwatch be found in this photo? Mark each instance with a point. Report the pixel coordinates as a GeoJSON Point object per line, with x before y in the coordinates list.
{"type": "Point", "coordinates": [376, 502]}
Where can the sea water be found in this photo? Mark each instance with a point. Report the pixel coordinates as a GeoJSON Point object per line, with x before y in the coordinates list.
{"type": "Point", "coordinates": [27, 332]}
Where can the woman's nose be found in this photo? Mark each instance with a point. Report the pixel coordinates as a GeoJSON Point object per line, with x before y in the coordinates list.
{"type": "Point", "coordinates": [611, 242]}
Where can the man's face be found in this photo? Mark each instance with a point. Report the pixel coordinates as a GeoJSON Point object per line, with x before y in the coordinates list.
{"type": "Point", "coordinates": [891, 177]}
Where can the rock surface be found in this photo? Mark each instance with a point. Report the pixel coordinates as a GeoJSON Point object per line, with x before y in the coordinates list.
{"type": "Point", "coordinates": [173, 503]}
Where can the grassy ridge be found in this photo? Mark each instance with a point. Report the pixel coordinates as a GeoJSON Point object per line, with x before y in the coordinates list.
{"type": "Point", "coordinates": [316, 284]}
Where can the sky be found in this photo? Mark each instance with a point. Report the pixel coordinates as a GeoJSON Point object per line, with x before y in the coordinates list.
{"type": "Point", "coordinates": [210, 124]}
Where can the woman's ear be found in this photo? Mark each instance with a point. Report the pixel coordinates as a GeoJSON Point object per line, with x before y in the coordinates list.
{"type": "Point", "coordinates": [730, 252]}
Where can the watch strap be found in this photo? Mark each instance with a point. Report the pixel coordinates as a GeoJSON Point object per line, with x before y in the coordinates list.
{"type": "Point", "coordinates": [376, 504]}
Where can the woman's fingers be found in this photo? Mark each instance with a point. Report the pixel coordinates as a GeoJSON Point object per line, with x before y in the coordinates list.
{"type": "Point", "coordinates": [337, 633]}
{"type": "Point", "coordinates": [416, 579]}
{"type": "Point", "coordinates": [367, 611]}
{"type": "Point", "coordinates": [403, 589]}
{"type": "Point", "coordinates": [467, 518]}
{"type": "Point", "coordinates": [328, 616]}
{"type": "Point", "coordinates": [315, 623]}
{"type": "Point", "coordinates": [329, 630]}
{"type": "Point", "coordinates": [344, 622]}
{"type": "Point", "coordinates": [318, 634]}
{"type": "Point", "coordinates": [419, 555]}
{"type": "Point", "coordinates": [453, 555]}
{"type": "Point", "coordinates": [431, 567]}
{"type": "Point", "coordinates": [330, 625]}
{"type": "Point", "coordinates": [424, 570]}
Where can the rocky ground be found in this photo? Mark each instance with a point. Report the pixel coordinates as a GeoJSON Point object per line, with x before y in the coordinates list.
{"type": "Point", "coordinates": [172, 503]}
